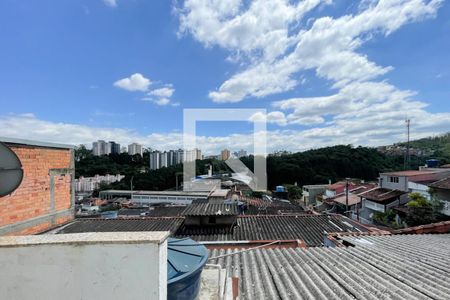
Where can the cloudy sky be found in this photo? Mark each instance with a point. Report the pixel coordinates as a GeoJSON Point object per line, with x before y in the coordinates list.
{"type": "Point", "coordinates": [327, 72]}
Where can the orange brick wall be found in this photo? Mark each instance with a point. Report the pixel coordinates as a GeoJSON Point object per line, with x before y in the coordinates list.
{"type": "Point", "coordinates": [33, 197]}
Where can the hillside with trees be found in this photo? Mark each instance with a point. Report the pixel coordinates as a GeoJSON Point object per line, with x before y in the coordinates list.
{"type": "Point", "coordinates": [437, 146]}
{"type": "Point", "coordinates": [309, 167]}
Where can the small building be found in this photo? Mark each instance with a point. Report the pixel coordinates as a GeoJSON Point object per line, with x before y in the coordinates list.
{"type": "Point", "coordinates": [156, 197]}
{"type": "Point", "coordinates": [209, 214]}
{"type": "Point", "coordinates": [45, 197]}
{"type": "Point", "coordinates": [379, 200]}
{"type": "Point", "coordinates": [219, 195]}
{"type": "Point", "coordinates": [400, 180]}
{"type": "Point", "coordinates": [311, 192]}
{"type": "Point", "coordinates": [441, 191]}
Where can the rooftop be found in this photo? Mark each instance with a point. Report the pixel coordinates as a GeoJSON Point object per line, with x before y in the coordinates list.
{"type": "Point", "coordinates": [210, 209]}
{"type": "Point", "coordinates": [163, 193]}
{"type": "Point", "coordinates": [220, 193]}
{"type": "Point", "coordinates": [35, 143]}
{"type": "Point", "coordinates": [414, 172]}
{"type": "Point", "coordinates": [397, 267]}
{"type": "Point", "coordinates": [381, 194]}
{"type": "Point", "coordinates": [119, 225]}
{"type": "Point", "coordinates": [352, 199]}
{"type": "Point", "coordinates": [441, 184]}
{"type": "Point", "coordinates": [309, 228]}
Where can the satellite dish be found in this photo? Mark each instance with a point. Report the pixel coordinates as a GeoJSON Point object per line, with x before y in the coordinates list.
{"type": "Point", "coordinates": [11, 172]}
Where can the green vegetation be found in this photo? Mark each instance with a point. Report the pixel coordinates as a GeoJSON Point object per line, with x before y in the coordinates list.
{"type": "Point", "coordinates": [439, 146]}
{"type": "Point", "coordinates": [310, 167]}
{"type": "Point", "coordinates": [421, 211]}
{"type": "Point", "coordinates": [387, 218]}
{"type": "Point", "coordinates": [417, 200]}
{"type": "Point", "coordinates": [294, 191]}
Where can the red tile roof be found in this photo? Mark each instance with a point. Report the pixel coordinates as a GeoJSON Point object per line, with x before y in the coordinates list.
{"type": "Point", "coordinates": [414, 172]}
{"type": "Point", "coordinates": [441, 227]}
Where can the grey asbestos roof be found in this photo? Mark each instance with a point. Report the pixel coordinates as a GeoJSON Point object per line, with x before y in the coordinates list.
{"type": "Point", "coordinates": [210, 209]}
{"type": "Point", "coordinates": [113, 225]}
{"type": "Point", "coordinates": [309, 228]}
{"type": "Point", "coordinates": [381, 267]}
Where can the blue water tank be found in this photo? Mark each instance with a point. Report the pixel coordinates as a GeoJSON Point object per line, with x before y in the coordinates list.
{"type": "Point", "coordinates": [185, 261]}
{"type": "Point", "coordinates": [432, 163]}
{"type": "Point", "coordinates": [279, 189]}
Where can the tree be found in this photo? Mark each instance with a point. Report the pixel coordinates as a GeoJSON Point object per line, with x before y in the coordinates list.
{"type": "Point", "coordinates": [387, 218]}
{"type": "Point", "coordinates": [82, 153]}
{"type": "Point", "coordinates": [420, 210]}
{"type": "Point", "coordinates": [418, 200]}
{"type": "Point", "coordinates": [294, 192]}
{"type": "Point", "coordinates": [436, 204]}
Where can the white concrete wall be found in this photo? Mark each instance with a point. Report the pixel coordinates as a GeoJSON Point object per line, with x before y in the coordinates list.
{"type": "Point", "coordinates": [119, 265]}
{"type": "Point", "coordinates": [419, 188]}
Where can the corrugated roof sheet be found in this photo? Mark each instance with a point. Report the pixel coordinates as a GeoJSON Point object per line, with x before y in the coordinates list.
{"type": "Point", "coordinates": [381, 267]}
{"type": "Point", "coordinates": [210, 209]}
{"type": "Point", "coordinates": [132, 212]}
{"type": "Point", "coordinates": [166, 211]}
{"type": "Point", "coordinates": [112, 225]}
{"type": "Point", "coordinates": [441, 184]}
{"type": "Point", "coordinates": [309, 228]}
{"type": "Point", "coordinates": [381, 194]}
{"type": "Point", "coordinates": [264, 207]}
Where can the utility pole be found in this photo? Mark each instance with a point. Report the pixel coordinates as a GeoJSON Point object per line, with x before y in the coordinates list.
{"type": "Point", "coordinates": [407, 162]}
{"type": "Point", "coordinates": [346, 195]}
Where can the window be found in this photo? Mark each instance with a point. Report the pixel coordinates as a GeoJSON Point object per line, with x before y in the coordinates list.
{"type": "Point", "coordinates": [393, 179]}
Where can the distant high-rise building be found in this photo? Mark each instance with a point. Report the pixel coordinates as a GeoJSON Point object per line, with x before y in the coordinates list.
{"type": "Point", "coordinates": [192, 155]}
{"type": "Point", "coordinates": [155, 162]}
{"type": "Point", "coordinates": [172, 157]}
{"type": "Point", "coordinates": [113, 148]}
{"type": "Point", "coordinates": [240, 153]}
{"type": "Point", "coordinates": [225, 154]}
{"type": "Point", "coordinates": [100, 148]}
{"type": "Point", "coordinates": [135, 148]}
{"type": "Point", "coordinates": [164, 159]}
{"type": "Point", "coordinates": [123, 149]}
{"type": "Point", "coordinates": [179, 154]}
{"type": "Point", "coordinates": [169, 158]}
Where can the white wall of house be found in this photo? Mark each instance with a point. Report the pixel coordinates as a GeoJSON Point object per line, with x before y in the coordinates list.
{"type": "Point", "coordinates": [419, 188]}
{"type": "Point", "coordinates": [119, 265]}
{"type": "Point", "coordinates": [394, 182]}
{"type": "Point", "coordinates": [373, 205]}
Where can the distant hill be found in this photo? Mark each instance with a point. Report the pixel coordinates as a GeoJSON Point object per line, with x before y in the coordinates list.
{"type": "Point", "coordinates": [437, 144]}
{"type": "Point", "coordinates": [431, 147]}
{"type": "Point", "coordinates": [309, 167]}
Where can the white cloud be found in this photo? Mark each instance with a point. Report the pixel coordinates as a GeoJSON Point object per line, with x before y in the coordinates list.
{"type": "Point", "coordinates": [345, 131]}
{"type": "Point", "coordinates": [275, 44]}
{"type": "Point", "coordinates": [161, 96]}
{"type": "Point", "coordinates": [274, 117]}
{"type": "Point", "coordinates": [166, 92]}
{"type": "Point", "coordinates": [110, 3]}
{"type": "Point", "coordinates": [162, 101]}
{"type": "Point", "coordinates": [355, 100]}
{"type": "Point", "coordinates": [136, 82]}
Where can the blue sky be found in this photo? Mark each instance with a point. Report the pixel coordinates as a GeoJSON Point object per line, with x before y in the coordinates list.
{"type": "Point", "coordinates": [328, 72]}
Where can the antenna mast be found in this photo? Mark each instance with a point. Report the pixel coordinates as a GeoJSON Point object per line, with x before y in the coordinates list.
{"type": "Point", "coordinates": [407, 162]}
